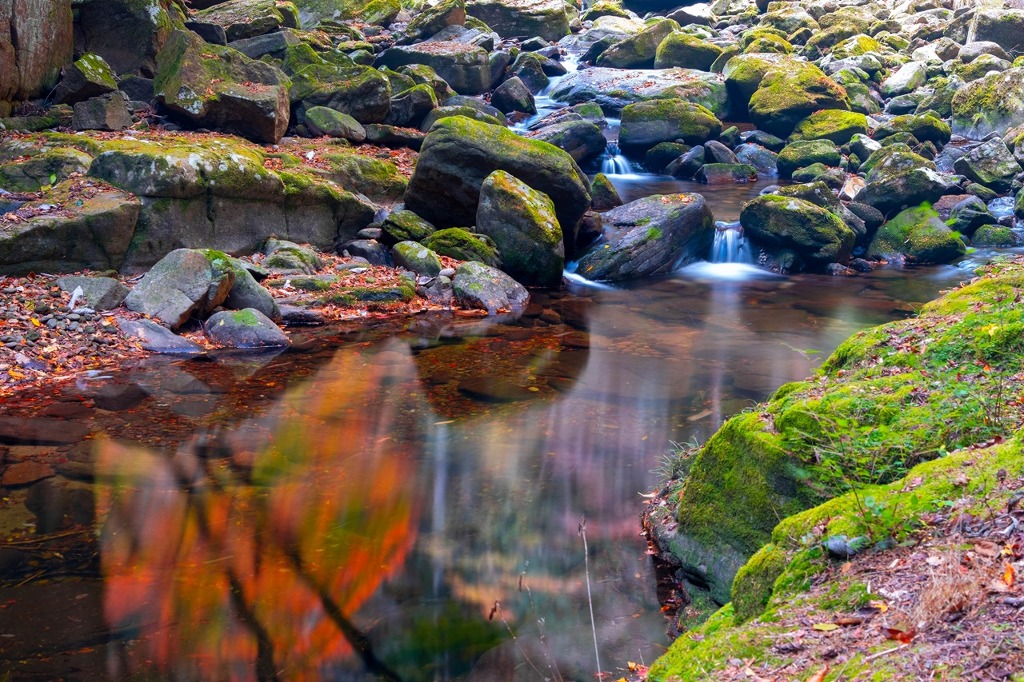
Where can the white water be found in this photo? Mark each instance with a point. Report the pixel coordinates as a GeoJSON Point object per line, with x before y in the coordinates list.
{"type": "Point", "coordinates": [545, 105]}
{"type": "Point", "coordinates": [730, 246]}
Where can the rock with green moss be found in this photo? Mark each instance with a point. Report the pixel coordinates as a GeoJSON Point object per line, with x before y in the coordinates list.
{"type": "Point", "coordinates": [218, 87]}
{"type": "Point", "coordinates": [979, 67]}
{"type": "Point", "coordinates": [817, 235]}
{"type": "Point", "coordinates": [324, 121]}
{"type": "Point", "coordinates": [995, 236]}
{"type": "Point", "coordinates": [247, 329]}
{"type": "Point", "coordinates": [613, 89]}
{"type": "Point", "coordinates": [459, 153]}
{"type": "Point", "coordinates": [645, 124]}
{"type": "Point", "coordinates": [461, 244]}
{"type": "Point", "coordinates": [88, 76]}
{"type": "Point", "coordinates": [917, 235]}
{"type": "Point", "coordinates": [992, 104]}
{"type": "Point", "coordinates": [898, 178]}
{"type": "Point", "coordinates": [789, 18]}
{"type": "Point", "coordinates": [513, 95]}
{"type": "Point", "coordinates": [522, 224]}
{"type": "Point", "coordinates": [905, 79]}
{"type": "Point", "coordinates": [687, 51]}
{"type": "Point", "coordinates": [990, 164]}
{"type": "Point", "coordinates": [649, 237]}
{"type": "Point", "coordinates": [755, 582]}
{"type": "Point", "coordinates": [246, 292]}
{"type": "Point", "coordinates": [743, 75]}
{"type": "Point", "coordinates": [465, 67]}
{"type": "Point", "coordinates": [605, 8]}
{"type": "Point", "coordinates": [925, 128]}
{"type": "Point", "coordinates": [403, 225]}
{"type": "Point", "coordinates": [605, 196]}
{"type": "Point", "coordinates": [421, 73]}
{"type": "Point", "coordinates": [32, 172]}
{"type": "Point", "coordinates": [583, 140]}
{"type": "Point", "coordinates": [185, 283]}
{"type": "Point", "coordinates": [479, 286]}
{"type": "Point", "coordinates": [127, 33]}
{"type": "Point", "coordinates": [806, 152]}
{"type": "Point", "coordinates": [661, 155]}
{"type": "Point", "coordinates": [831, 124]}
{"type": "Point", "coordinates": [457, 110]}
{"type": "Point", "coordinates": [432, 19]}
{"type": "Point", "coordinates": [416, 258]}
{"type": "Point", "coordinates": [91, 230]}
{"type": "Point", "coordinates": [638, 51]}
{"type": "Point", "coordinates": [511, 18]}
{"type": "Point", "coordinates": [787, 95]}
{"type": "Point", "coordinates": [856, 46]}
{"type": "Point", "coordinates": [243, 19]}
{"type": "Point", "coordinates": [288, 258]}
{"type": "Point", "coordinates": [377, 179]}
{"type": "Point", "coordinates": [764, 42]}
{"type": "Point", "coordinates": [361, 92]}
{"type": "Point", "coordinates": [1000, 26]}
{"type": "Point", "coordinates": [380, 12]}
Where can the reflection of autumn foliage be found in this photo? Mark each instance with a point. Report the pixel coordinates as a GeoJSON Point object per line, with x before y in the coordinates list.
{"type": "Point", "coordinates": [221, 578]}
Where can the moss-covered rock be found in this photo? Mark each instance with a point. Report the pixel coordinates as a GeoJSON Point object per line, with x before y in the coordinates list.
{"type": "Point", "coordinates": [818, 236]}
{"type": "Point", "coordinates": [992, 104]}
{"type": "Point", "coordinates": [686, 50]}
{"type": "Point", "coordinates": [402, 225]}
{"type": "Point", "coordinates": [615, 88]}
{"type": "Point", "coordinates": [466, 68]}
{"type": "Point", "coordinates": [645, 124]}
{"type": "Point", "coordinates": [990, 164]}
{"type": "Point", "coordinates": [416, 258]}
{"type": "Point", "coordinates": [898, 178]}
{"type": "Point", "coordinates": [604, 194]}
{"type": "Point", "coordinates": [924, 128]}
{"type": "Point", "coordinates": [787, 95]}
{"type": "Point", "coordinates": [743, 75]}
{"type": "Point", "coordinates": [89, 76]}
{"type": "Point", "coordinates": [806, 152]}
{"type": "Point", "coordinates": [361, 92]}
{"type": "Point", "coordinates": [831, 124]}
{"type": "Point", "coordinates": [43, 169]}
{"type": "Point", "coordinates": [381, 12]}
{"type": "Point", "coordinates": [461, 244]}
{"type": "Point", "coordinates": [333, 123]}
{"type": "Point", "coordinates": [755, 582]}
{"type": "Point", "coordinates": [638, 51]}
{"type": "Point", "coordinates": [377, 179]}
{"type": "Point", "coordinates": [856, 46]}
{"type": "Point", "coordinates": [582, 139]}
{"type": "Point", "coordinates": [548, 19]}
{"type": "Point", "coordinates": [243, 19]}
{"type": "Point", "coordinates": [918, 235]}
{"type": "Point", "coordinates": [432, 19]}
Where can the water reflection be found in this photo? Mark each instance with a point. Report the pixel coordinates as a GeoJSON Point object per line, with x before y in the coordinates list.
{"type": "Point", "coordinates": [405, 502]}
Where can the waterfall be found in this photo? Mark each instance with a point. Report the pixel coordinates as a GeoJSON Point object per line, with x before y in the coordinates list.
{"type": "Point", "coordinates": [614, 163]}
{"type": "Point", "coordinates": [730, 246]}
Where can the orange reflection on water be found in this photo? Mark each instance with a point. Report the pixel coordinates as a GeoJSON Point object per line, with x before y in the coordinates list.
{"type": "Point", "coordinates": [222, 573]}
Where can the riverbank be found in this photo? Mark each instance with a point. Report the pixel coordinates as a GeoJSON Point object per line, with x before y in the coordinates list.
{"type": "Point", "coordinates": [908, 437]}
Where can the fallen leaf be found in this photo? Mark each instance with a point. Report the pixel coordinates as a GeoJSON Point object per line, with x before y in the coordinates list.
{"type": "Point", "coordinates": [901, 636]}
{"type": "Point", "coordinates": [825, 627]}
{"type": "Point", "coordinates": [1009, 575]}
{"type": "Point", "coordinates": [846, 621]}
{"type": "Point", "coordinates": [820, 675]}
{"type": "Point", "coordinates": [879, 605]}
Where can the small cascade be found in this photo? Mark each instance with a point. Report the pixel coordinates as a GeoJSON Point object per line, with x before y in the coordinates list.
{"type": "Point", "coordinates": [730, 246]}
{"type": "Point", "coordinates": [545, 105]}
{"type": "Point", "coordinates": [614, 163]}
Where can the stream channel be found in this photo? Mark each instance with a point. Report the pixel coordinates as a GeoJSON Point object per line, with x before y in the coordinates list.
{"type": "Point", "coordinates": [403, 499]}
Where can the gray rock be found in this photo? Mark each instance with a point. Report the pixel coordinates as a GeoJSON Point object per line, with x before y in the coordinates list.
{"type": "Point", "coordinates": [244, 329]}
{"type": "Point", "coordinates": [545, 18]}
{"type": "Point", "coordinates": [466, 68]}
{"type": "Point", "coordinates": [246, 292]}
{"type": "Point", "coordinates": [817, 235]}
{"type": "Point", "coordinates": [410, 107]}
{"type": "Point", "coordinates": [479, 286]}
{"type": "Point", "coordinates": [98, 293]}
{"type": "Point", "coordinates": [285, 257]}
{"type": "Point", "coordinates": [324, 121]}
{"type": "Point", "coordinates": [361, 92]}
{"type": "Point", "coordinates": [157, 338]}
{"type": "Point", "coordinates": [183, 284]}
{"type": "Point", "coordinates": [89, 76]}
{"type": "Point", "coordinates": [615, 88]}
{"type": "Point", "coordinates": [416, 258]}
{"type": "Point", "coordinates": [990, 164]}
{"type": "Point", "coordinates": [755, 155]}
{"type": "Point", "coordinates": [513, 95]}
{"type": "Point", "coordinates": [581, 139]}
{"type": "Point", "coordinates": [107, 112]}
{"type": "Point", "coordinates": [907, 78]}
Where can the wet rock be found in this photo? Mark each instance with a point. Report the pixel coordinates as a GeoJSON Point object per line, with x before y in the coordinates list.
{"type": "Point", "coordinates": [817, 235]}
{"type": "Point", "coordinates": [243, 19]}
{"type": "Point", "coordinates": [763, 160]}
{"type": "Point", "coordinates": [604, 194]}
{"type": "Point", "coordinates": [615, 88]}
{"type": "Point", "coordinates": [116, 397]}
{"type": "Point", "coordinates": [646, 124]}
{"type": "Point", "coordinates": [157, 338]}
{"type": "Point", "coordinates": [725, 173]}
{"type": "Point", "coordinates": [464, 245]}
{"type": "Point", "coordinates": [650, 236]}
{"type": "Point", "coordinates": [184, 283]}
{"type": "Point", "coordinates": [687, 165]}
{"type": "Point", "coordinates": [59, 505]}
{"type": "Point", "coordinates": [36, 41]}
{"type": "Point", "coordinates": [638, 51]}
{"type": "Point", "coordinates": [1004, 27]}
{"type": "Point", "coordinates": [917, 235]}
{"type": "Point", "coordinates": [478, 286]}
{"type": "Point", "coordinates": [432, 19]}
{"type": "Point", "coordinates": [294, 316]}
{"type": "Point", "coordinates": [686, 50]}
{"type": "Point", "coordinates": [897, 178]}
{"type": "Point", "coordinates": [581, 139]}
{"type": "Point", "coordinates": [513, 95]}
{"type": "Point", "coordinates": [905, 79]}
{"type": "Point", "coordinates": [403, 225]}
{"type": "Point", "coordinates": [522, 223]}
{"type": "Point", "coordinates": [211, 33]}
{"type": "Point", "coordinates": [40, 431]}
{"type": "Point", "coordinates": [410, 107]}
{"type": "Point", "coordinates": [466, 68]}
{"type": "Point", "coordinates": [788, 94]}
{"type": "Point", "coordinates": [804, 153]}
{"type": "Point", "coordinates": [244, 329]}
{"type": "Point", "coordinates": [98, 293]}
{"type": "Point", "coordinates": [511, 18]}
{"type": "Point", "coordinates": [25, 473]}
{"type": "Point", "coordinates": [246, 292]}
{"type": "Point", "coordinates": [126, 33]}
{"type": "Point", "coordinates": [373, 251]}
{"type": "Point", "coordinates": [996, 236]}
{"type": "Point", "coordinates": [993, 104]}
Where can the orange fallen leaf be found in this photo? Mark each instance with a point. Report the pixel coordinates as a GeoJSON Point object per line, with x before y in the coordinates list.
{"type": "Point", "coordinates": [1009, 575]}
{"type": "Point", "coordinates": [820, 675]}
{"type": "Point", "coordinates": [901, 636]}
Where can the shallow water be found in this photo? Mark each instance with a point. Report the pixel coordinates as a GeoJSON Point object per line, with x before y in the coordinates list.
{"type": "Point", "coordinates": [406, 500]}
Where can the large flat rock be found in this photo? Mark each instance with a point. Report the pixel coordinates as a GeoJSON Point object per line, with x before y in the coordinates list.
{"type": "Point", "coordinates": [615, 88]}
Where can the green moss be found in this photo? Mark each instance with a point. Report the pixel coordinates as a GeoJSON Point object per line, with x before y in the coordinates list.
{"type": "Point", "coordinates": [918, 234]}
{"type": "Point", "coordinates": [461, 244]}
{"type": "Point", "coordinates": [754, 583]}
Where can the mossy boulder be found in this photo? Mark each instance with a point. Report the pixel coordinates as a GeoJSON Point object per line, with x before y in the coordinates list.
{"type": "Point", "coordinates": [662, 154]}
{"type": "Point", "coordinates": [416, 258]}
{"type": "Point", "coordinates": [995, 236]}
{"type": "Point", "coordinates": [465, 67]}
{"type": "Point", "coordinates": [380, 12]}
{"type": "Point", "coordinates": [218, 87]}
{"type": "Point", "coordinates": [898, 178]}
{"type": "Point", "coordinates": [645, 124]}
{"type": "Point", "coordinates": [638, 51]}
{"type": "Point", "coordinates": [423, 74]}
{"type": "Point", "coordinates": [288, 258]}
{"type": "Point", "coordinates": [583, 140]}
{"type": "Point", "coordinates": [522, 224]}
{"type": "Point", "coordinates": [990, 164]}
{"type": "Point", "coordinates": [613, 89]}
{"type": "Point", "coordinates": [905, 79]}
{"type": "Point", "coordinates": [433, 18]}
{"type": "Point", "coordinates": [183, 284]}
{"type": "Point", "coordinates": [856, 46]}
{"type": "Point", "coordinates": [46, 168]}
{"type": "Point", "coordinates": [403, 225]}
{"type": "Point", "coordinates": [478, 286]}
{"type": "Point", "coordinates": [687, 51]}
{"type": "Point", "coordinates": [992, 104]}
{"type": "Point", "coordinates": [924, 128]}
{"type": "Point", "coordinates": [787, 95]}
{"type": "Point", "coordinates": [361, 92]}
{"type": "Point", "coordinates": [459, 153]}
{"type": "Point", "coordinates": [513, 95]}
{"type": "Point", "coordinates": [817, 235]}
{"type": "Point", "coordinates": [243, 19]}
{"type": "Point", "coordinates": [128, 34]}
{"type": "Point", "coordinates": [1004, 27]}
{"type": "Point", "coordinates": [743, 75]}
{"type": "Point", "coordinates": [919, 236]}
{"type": "Point", "coordinates": [459, 110]}
{"type": "Point", "coordinates": [649, 237]}
{"type": "Point", "coordinates": [377, 179]}
{"type": "Point", "coordinates": [244, 329]}
{"type": "Point", "coordinates": [92, 229]}
{"type": "Point", "coordinates": [803, 153]}
{"type": "Point", "coordinates": [759, 41]}
{"type": "Point", "coordinates": [461, 244]}
{"type": "Point", "coordinates": [246, 292]}
{"type": "Point", "coordinates": [604, 194]}
{"type": "Point", "coordinates": [323, 121]}
{"type": "Point", "coordinates": [548, 19]}
{"type": "Point", "coordinates": [831, 124]}
{"type": "Point", "coordinates": [89, 76]}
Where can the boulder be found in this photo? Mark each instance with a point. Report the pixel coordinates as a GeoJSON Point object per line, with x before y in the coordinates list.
{"type": "Point", "coordinates": [513, 95]}
{"type": "Point", "coordinates": [521, 222]}
{"type": "Point", "coordinates": [804, 153]}
{"type": "Point", "coordinates": [107, 112]}
{"type": "Point", "coordinates": [288, 258]}
{"type": "Point", "coordinates": [905, 79]}
{"type": "Point", "coordinates": [242, 19]}
{"type": "Point", "coordinates": [402, 225]}
{"type": "Point", "coordinates": [246, 292]}
{"type": "Point", "coordinates": [613, 89]}
{"type": "Point", "coordinates": [478, 286]}
{"type": "Point", "coordinates": [581, 139]}
{"type": "Point", "coordinates": [244, 329]}
{"type": "Point", "coordinates": [651, 236]}
{"type": "Point", "coordinates": [466, 68]}
{"type": "Point", "coordinates": [433, 18]}
{"type": "Point", "coordinates": [128, 34]}
{"type": "Point", "coordinates": [157, 338]}
{"type": "Point", "coordinates": [380, 12]}
{"type": "Point", "coordinates": [185, 283]}
{"type": "Point", "coordinates": [725, 173]}
{"type": "Point", "coordinates": [333, 123]}
{"type": "Point", "coordinates": [924, 128]}
{"type": "Point", "coordinates": [88, 76]}
{"type": "Point", "coordinates": [218, 87]}
{"type": "Point", "coordinates": [604, 194]}
{"type": "Point", "coordinates": [687, 51]}
{"type": "Point", "coordinates": [409, 107]}
{"type": "Point", "coordinates": [459, 153]}
{"type": "Point", "coordinates": [30, 173]}
{"type": "Point", "coordinates": [461, 244]}
{"type": "Point", "coordinates": [638, 51]}
{"type": "Point", "coordinates": [743, 74]}
{"type": "Point", "coordinates": [36, 42]}
{"type": "Point", "coordinates": [1004, 27]}
{"type": "Point", "coordinates": [416, 258]}
{"type": "Point", "coordinates": [763, 160]}
{"type": "Point", "coordinates": [76, 226]}
{"type": "Point", "coordinates": [831, 124]}
{"type": "Point", "coordinates": [898, 178]}
{"type": "Point", "coordinates": [645, 124]}
{"type": "Point", "coordinates": [995, 236]}
{"type": "Point", "coordinates": [98, 293]}
{"type": "Point", "coordinates": [917, 235]}
{"type": "Point", "coordinates": [990, 164]}
{"type": "Point", "coordinates": [361, 92]}
{"type": "Point", "coordinates": [522, 18]}
{"type": "Point", "coordinates": [815, 234]}
{"type": "Point", "coordinates": [787, 95]}
{"type": "Point", "coordinates": [992, 104]}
